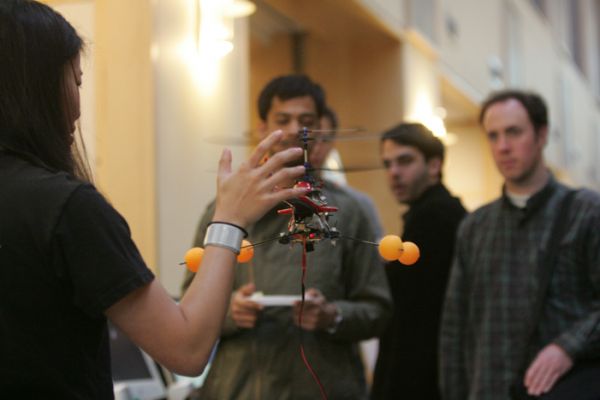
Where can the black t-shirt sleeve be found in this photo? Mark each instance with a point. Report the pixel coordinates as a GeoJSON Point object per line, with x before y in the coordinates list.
{"type": "Point", "coordinates": [96, 254]}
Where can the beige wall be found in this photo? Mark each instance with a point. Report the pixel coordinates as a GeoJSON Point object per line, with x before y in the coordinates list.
{"type": "Point", "coordinates": [198, 110]}
{"type": "Point", "coordinates": [117, 107]}
{"type": "Point", "coordinates": [477, 40]}
{"type": "Point", "coordinates": [269, 57]}
{"type": "Point", "coordinates": [126, 161]}
{"type": "Point", "coordinates": [390, 14]}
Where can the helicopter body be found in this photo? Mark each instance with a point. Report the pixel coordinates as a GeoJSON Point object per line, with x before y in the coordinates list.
{"type": "Point", "coordinates": [309, 218]}
{"type": "Point", "coordinates": [309, 214]}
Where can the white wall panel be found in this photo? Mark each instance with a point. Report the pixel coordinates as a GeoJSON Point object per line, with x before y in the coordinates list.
{"type": "Point", "coordinates": [471, 39]}
{"type": "Point", "coordinates": [388, 12]}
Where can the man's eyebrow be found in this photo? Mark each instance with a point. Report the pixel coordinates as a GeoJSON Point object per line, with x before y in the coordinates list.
{"type": "Point", "coordinates": [399, 158]}
{"type": "Point", "coordinates": [404, 157]}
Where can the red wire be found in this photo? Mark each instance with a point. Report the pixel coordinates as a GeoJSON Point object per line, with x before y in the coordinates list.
{"type": "Point", "coordinates": [302, 354]}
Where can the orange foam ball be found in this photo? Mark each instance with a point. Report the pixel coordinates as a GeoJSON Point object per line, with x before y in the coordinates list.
{"type": "Point", "coordinates": [390, 247]}
{"type": "Point", "coordinates": [246, 253]}
{"type": "Point", "coordinates": [410, 255]}
{"type": "Point", "coordinates": [193, 258]}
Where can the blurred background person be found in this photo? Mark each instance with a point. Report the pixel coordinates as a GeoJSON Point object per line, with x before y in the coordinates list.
{"type": "Point", "coordinates": [497, 330]}
{"type": "Point", "coordinates": [407, 364]}
{"type": "Point", "coordinates": [347, 301]}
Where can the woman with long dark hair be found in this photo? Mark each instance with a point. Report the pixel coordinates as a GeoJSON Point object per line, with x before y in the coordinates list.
{"type": "Point", "coordinates": [67, 261]}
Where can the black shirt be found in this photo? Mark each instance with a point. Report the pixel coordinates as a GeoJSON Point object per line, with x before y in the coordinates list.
{"type": "Point", "coordinates": [65, 256]}
{"type": "Point", "coordinates": [407, 363]}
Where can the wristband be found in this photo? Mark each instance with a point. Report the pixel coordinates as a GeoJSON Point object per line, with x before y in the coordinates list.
{"type": "Point", "coordinates": [224, 235]}
{"type": "Point", "coordinates": [230, 224]}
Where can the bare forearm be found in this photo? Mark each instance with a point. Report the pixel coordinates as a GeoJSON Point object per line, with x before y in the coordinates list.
{"type": "Point", "coordinates": [181, 336]}
{"type": "Point", "coordinates": [207, 299]}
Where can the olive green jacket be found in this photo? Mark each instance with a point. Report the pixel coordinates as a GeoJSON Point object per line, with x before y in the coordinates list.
{"type": "Point", "coordinates": [265, 362]}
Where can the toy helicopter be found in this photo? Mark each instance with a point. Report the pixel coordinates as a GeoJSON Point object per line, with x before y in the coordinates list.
{"type": "Point", "coordinates": [309, 222]}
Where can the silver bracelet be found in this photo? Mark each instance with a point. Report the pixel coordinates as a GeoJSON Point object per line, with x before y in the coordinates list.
{"type": "Point", "coordinates": [224, 235]}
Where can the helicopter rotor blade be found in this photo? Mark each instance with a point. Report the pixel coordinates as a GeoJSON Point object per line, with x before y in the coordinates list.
{"type": "Point", "coordinates": [358, 137]}
{"type": "Point", "coordinates": [358, 168]}
{"type": "Point", "coordinates": [252, 137]}
{"type": "Point", "coordinates": [345, 136]}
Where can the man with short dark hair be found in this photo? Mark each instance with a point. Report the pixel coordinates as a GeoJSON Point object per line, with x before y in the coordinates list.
{"type": "Point", "coordinates": [408, 357]}
{"type": "Point", "coordinates": [487, 345]}
{"type": "Point", "coordinates": [347, 299]}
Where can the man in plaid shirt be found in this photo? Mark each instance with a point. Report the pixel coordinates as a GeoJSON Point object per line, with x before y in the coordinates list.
{"type": "Point", "coordinates": [494, 279]}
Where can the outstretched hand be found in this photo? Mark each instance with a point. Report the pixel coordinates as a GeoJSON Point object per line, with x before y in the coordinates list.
{"type": "Point", "coordinates": [549, 365]}
{"type": "Point", "coordinates": [245, 195]}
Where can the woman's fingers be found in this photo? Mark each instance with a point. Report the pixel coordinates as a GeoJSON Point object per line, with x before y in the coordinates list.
{"type": "Point", "coordinates": [274, 174]}
{"type": "Point", "coordinates": [284, 175]}
{"type": "Point", "coordinates": [279, 160]}
{"type": "Point", "coordinates": [224, 164]}
{"type": "Point", "coordinates": [263, 147]}
{"type": "Point", "coordinates": [246, 194]}
{"type": "Point", "coordinates": [284, 194]}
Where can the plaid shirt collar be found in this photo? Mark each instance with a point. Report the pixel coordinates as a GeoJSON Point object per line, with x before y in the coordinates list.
{"type": "Point", "coordinates": [535, 202]}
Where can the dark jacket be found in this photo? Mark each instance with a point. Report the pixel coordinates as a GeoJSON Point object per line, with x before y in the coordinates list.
{"type": "Point", "coordinates": [407, 363]}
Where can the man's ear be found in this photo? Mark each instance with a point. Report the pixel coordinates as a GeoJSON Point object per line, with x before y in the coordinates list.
{"type": "Point", "coordinates": [434, 168]}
